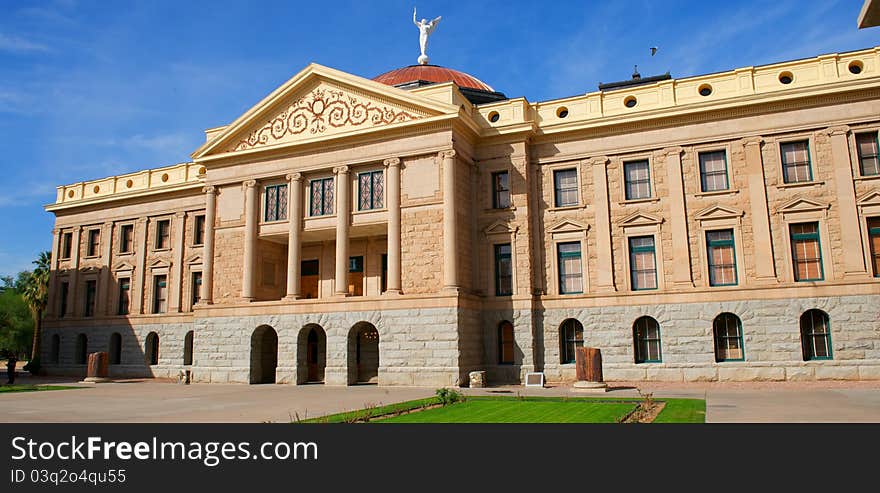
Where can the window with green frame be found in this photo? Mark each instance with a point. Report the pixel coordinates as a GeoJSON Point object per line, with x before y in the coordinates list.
{"type": "Point", "coordinates": [646, 336]}
{"type": "Point", "coordinates": [276, 203]}
{"type": "Point", "coordinates": [815, 335]}
{"type": "Point", "coordinates": [713, 171]}
{"type": "Point", "coordinates": [570, 269]}
{"type": "Point", "coordinates": [874, 240]}
{"type": "Point", "coordinates": [721, 254]}
{"type": "Point", "coordinates": [637, 180]}
{"type": "Point", "coordinates": [321, 197]}
{"type": "Point", "coordinates": [796, 161]}
{"type": "Point", "coordinates": [565, 186]}
{"type": "Point", "coordinates": [501, 190]}
{"type": "Point", "coordinates": [806, 252]}
{"type": "Point", "coordinates": [642, 263]}
{"type": "Point", "coordinates": [571, 337]}
{"type": "Point", "coordinates": [371, 190]}
{"type": "Point", "coordinates": [869, 154]}
{"type": "Point", "coordinates": [503, 270]}
{"type": "Point", "coordinates": [727, 329]}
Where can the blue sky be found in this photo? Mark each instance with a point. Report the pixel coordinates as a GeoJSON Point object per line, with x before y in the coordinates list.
{"type": "Point", "coordinates": [95, 88]}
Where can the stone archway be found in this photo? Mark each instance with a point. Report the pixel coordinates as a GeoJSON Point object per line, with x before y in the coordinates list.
{"type": "Point", "coordinates": [311, 354]}
{"type": "Point", "coordinates": [264, 355]}
{"type": "Point", "coordinates": [363, 354]}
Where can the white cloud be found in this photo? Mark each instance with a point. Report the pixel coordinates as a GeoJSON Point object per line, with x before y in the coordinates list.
{"type": "Point", "coordinates": [15, 44]}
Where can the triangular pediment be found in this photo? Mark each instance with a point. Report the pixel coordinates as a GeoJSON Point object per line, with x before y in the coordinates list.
{"type": "Point", "coordinates": [568, 226]}
{"type": "Point", "coordinates": [160, 264]}
{"type": "Point", "coordinates": [195, 259]}
{"type": "Point", "coordinates": [801, 204]}
{"type": "Point", "coordinates": [321, 103]}
{"type": "Point", "coordinates": [640, 219]}
{"type": "Point", "coordinates": [718, 212]}
{"type": "Point", "coordinates": [122, 266]}
{"type": "Point", "coordinates": [870, 198]}
{"type": "Point", "coordinates": [499, 227]}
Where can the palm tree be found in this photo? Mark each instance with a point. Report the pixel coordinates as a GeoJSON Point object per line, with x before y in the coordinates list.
{"type": "Point", "coordinates": [36, 295]}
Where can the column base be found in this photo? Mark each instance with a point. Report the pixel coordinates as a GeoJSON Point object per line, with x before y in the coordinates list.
{"type": "Point", "coordinates": [392, 292]}
{"type": "Point", "coordinates": [291, 297]}
{"type": "Point", "coordinates": [341, 295]}
{"type": "Point", "coordinates": [451, 290]}
{"type": "Point", "coordinates": [248, 299]}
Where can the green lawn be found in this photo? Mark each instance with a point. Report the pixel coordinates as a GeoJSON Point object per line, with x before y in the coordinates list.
{"type": "Point", "coordinates": [682, 411]}
{"type": "Point", "coordinates": [490, 410]}
{"type": "Point", "coordinates": [31, 388]}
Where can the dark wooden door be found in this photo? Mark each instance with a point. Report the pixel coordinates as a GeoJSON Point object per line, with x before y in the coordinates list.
{"type": "Point", "coordinates": [312, 356]}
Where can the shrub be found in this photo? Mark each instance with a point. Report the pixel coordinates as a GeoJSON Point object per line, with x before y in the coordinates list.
{"type": "Point", "coordinates": [449, 396]}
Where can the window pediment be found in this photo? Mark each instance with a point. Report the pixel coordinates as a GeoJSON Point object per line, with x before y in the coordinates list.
{"type": "Point", "coordinates": [718, 212]}
{"type": "Point", "coordinates": [160, 264]}
{"type": "Point", "coordinates": [870, 198]}
{"type": "Point", "coordinates": [568, 226]}
{"type": "Point", "coordinates": [499, 227]}
{"type": "Point", "coordinates": [194, 260]}
{"type": "Point", "coordinates": [123, 266]}
{"type": "Point", "coordinates": [640, 219]}
{"type": "Point", "coordinates": [801, 205]}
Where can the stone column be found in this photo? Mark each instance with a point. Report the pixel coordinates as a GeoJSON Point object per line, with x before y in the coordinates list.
{"type": "Point", "coordinates": [52, 302]}
{"type": "Point", "coordinates": [207, 295]}
{"type": "Point", "coordinates": [294, 234]}
{"type": "Point", "coordinates": [251, 209]}
{"type": "Point", "coordinates": [392, 190]}
{"type": "Point", "coordinates": [602, 208]}
{"type": "Point", "coordinates": [343, 206]}
{"type": "Point", "coordinates": [450, 223]}
{"type": "Point", "coordinates": [681, 274]}
{"type": "Point", "coordinates": [175, 280]}
{"type": "Point", "coordinates": [139, 276]}
{"type": "Point", "coordinates": [106, 264]}
{"type": "Point", "coordinates": [850, 233]}
{"type": "Point", "coordinates": [765, 269]}
{"type": "Point", "coordinates": [75, 247]}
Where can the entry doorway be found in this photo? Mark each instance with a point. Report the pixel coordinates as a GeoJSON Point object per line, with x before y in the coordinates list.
{"type": "Point", "coordinates": [363, 351]}
{"type": "Point", "coordinates": [264, 355]}
{"type": "Point", "coordinates": [311, 354]}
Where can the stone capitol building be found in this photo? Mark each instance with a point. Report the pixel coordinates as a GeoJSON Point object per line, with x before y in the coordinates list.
{"type": "Point", "coordinates": [414, 227]}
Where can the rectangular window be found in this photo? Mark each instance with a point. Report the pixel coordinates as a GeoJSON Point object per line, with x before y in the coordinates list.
{"type": "Point", "coordinates": [276, 203]}
{"type": "Point", "coordinates": [637, 179]}
{"type": "Point", "coordinates": [93, 242]}
{"type": "Point", "coordinates": [66, 245]}
{"type": "Point", "coordinates": [65, 291]}
{"type": "Point", "coordinates": [501, 190]}
{"type": "Point", "coordinates": [308, 281]}
{"type": "Point", "coordinates": [565, 183]}
{"type": "Point", "coordinates": [503, 270]}
{"type": "Point", "coordinates": [384, 280]}
{"type": "Point", "coordinates": [570, 271]}
{"type": "Point", "coordinates": [163, 234]}
{"type": "Point", "coordinates": [642, 263]}
{"type": "Point", "coordinates": [806, 252]}
{"type": "Point", "coordinates": [796, 162]}
{"type": "Point", "coordinates": [124, 296]}
{"type": "Point", "coordinates": [713, 171]}
{"type": "Point", "coordinates": [196, 287]}
{"type": "Point", "coordinates": [199, 230]}
{"type": "Point", "coordinates": [160, 294]}
{"type": "Point", "coordinates": [355, 276]}
{"type": "Point", "coordinates": [126, 238]}
{"type": "Point", "coordinates": [91, 294]}
{"type": "Point", "coordinates": [874, 239]}
{"type": "Point", "coordinates": [869, 157]}
{"type": "Point", "coordinates": [321, 197]}
{"type": "Point", "coordinates": [371, 190]}
{"type": "Point", "coordinates": [722, 258]}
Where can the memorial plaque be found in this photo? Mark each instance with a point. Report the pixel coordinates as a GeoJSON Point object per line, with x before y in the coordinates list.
{"type": "Point", "coordinates": [534, 379]}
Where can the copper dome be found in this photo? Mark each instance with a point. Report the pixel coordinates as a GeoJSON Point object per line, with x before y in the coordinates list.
{"type": "Point", "coordinates": [431, 73]}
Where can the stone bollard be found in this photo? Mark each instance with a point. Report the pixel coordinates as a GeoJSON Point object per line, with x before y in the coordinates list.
{"type": "Point", "coordinates": [588, 363]}
{"type": "Point", "coordinates": [97, 369]}
{"type": "Point", "coordinates": [477, 379]}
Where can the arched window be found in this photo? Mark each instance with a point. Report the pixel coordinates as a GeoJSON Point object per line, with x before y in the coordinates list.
{"type": "Point", "coordinates": [815, 335]}
{"type": "Point", "coordinates": [55, 349]}
{"type": "Point", "coordinates": [646, 337]}
{"type": "Point", "coordinates": [81, 353]}
{"type": "Point", "coordinates": [151, 349]}
{"type": "Point", "coordinates": [571, 336]}
{"type": "Point", "coordinates": [115, 349]}
{"type": "Point", "coordinates": [506, 343]}
{"type": "Point", "coordinates": [188, 348]}
{"type": "Point", "coordinates": [727, 329]}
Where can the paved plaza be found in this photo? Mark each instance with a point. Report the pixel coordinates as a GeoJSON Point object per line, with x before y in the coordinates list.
{"type": "Point", "coordinates": [163, 401]}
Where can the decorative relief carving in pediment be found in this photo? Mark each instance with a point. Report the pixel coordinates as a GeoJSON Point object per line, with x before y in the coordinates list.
{"type": "Point", "coordinates": [323, 110]}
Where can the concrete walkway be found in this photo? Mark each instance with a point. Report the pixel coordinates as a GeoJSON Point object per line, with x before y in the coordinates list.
{"type": "Point", "coordinates": [159, 401]}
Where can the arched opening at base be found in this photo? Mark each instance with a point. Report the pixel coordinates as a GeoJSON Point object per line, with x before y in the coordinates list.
{"type": "Point", "coordinates": [264, 355]}
{"type": "Point", "coordinates": [363, 354]}
{"type": "Point", "coordinates": [311, 354]}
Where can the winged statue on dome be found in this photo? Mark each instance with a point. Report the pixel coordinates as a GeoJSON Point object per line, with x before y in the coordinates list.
{"type": "Point", "coordinates": [425, 29]}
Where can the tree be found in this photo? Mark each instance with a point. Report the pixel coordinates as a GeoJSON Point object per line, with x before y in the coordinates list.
{"type": "Point", "coordinates": [36, 295]}
{"type": "Point", "coordinates": [16, 321]}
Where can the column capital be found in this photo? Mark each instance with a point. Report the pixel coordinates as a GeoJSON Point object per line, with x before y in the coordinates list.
{"type": "Point", "coordinates": [392, 162]}
{"type": "Point", "coordinates": [249, 183]}
{"type": "Point", "coordinates": [340, 170]}
{"type": "Point", "coordinates": [672, 151]}
{"type": "Point", "coordinates": [296, 176]}
{"type": "Point", "coordinates": [142, 220]}
{"type": "Point", "coordinates": [180, 214]}
{"type": "Point", "coordinates": [211, 189]}
{"type": "Point", "coordinates": [598, 160]}
{"type": "Point", "coordinates": [836, 130]}
{"type": "Point", "coordinates": [755, 140]}
{"type": "Point", "coordinates": [447, 154]}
